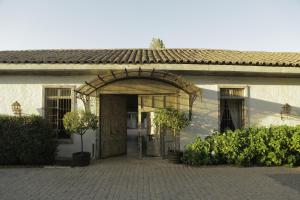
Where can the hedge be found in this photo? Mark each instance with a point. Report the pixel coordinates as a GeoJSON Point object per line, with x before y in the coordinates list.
{"type": "Point", "coordinates": [26, 140]}
{"type": "Point", "coordinates": [273, 146]}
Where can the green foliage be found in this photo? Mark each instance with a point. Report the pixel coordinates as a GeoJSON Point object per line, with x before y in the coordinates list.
{"type": "Point", "coordinates": [78, 122]}
{"type": "Point", "coordinates": [157, 43]}
{"type": "Point", "coordinates": [171, 118]}
{"type": "Point", "coordinates": [295, 141]}
{"type": "Point", "coordinates": [273, 146]}
{"type": "Point", "coordinates": [26, 140]}
{"type": "Point", "coordinates": [198, 153]}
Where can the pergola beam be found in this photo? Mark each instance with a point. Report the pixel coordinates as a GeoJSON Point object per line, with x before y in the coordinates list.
{"type": "Point", "coordinates": [100, 78]}
{"type": "Point", "coordinates": [90, 85]}
{"type": "Point", "coordinates": [113, 74]}
{"type": "Point", "coordinates": [152, 72]}
{"type": "Point", "coordinates": [162, 76]}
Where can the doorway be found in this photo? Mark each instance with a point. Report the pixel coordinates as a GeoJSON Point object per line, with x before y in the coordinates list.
{"type": "Point", "coordinates": [141, 141]}
{"type": "Point", "coordinates": [127, 128]}
{"type": "Point", "coordinates": [132, 126]}
{"type": "Point", "coordinates": [155, 89]}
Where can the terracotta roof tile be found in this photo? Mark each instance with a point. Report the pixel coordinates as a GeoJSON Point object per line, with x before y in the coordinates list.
{"type": "Point", "coordinates": [139, 56]}
{"type": "Point", "coordinates": [150, 56]}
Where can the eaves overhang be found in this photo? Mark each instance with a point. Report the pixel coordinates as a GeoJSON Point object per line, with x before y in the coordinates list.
{"type": "Point", "coordinates": [196, 69]}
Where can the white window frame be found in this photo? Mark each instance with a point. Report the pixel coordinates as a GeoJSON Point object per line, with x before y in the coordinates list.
{"type": "Point", "coordinates": [73, 107]}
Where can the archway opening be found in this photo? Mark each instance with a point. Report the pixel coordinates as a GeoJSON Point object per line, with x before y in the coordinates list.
{"type": "Point", "coordinates": [153, 89]}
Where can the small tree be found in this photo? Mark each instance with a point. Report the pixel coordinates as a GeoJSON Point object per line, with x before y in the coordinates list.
{"type": "Point", "coordinates": [157, 43]}
{"type": "Point", "coordinates": [78, 122]}
{"type": "Point", "coordinates": [172, 119]}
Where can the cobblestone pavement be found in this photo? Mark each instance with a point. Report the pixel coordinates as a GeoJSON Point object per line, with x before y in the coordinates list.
{"type": "Point", "coordinates": [121, 178]}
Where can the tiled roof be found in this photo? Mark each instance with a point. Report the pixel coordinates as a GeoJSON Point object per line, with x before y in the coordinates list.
{"type": "Point", "coordinates": [147, 56]}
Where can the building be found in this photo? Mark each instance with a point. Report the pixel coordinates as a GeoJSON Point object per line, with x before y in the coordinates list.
{"type": "Point", "coordinates": [217, 89]}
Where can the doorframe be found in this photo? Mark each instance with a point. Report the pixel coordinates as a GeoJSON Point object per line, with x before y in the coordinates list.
{"type": "Point", "coordinates": [98, 132]}
{"type": "Point", "coordinates": [99, 147]}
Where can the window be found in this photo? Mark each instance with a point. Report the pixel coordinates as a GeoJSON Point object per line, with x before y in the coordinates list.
{"type": "Point", "coordinates": [231, 108]}
{"type": "Point", "coordinates": [58, 101]}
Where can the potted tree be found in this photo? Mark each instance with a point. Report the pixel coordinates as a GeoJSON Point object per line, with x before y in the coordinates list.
{"type": "Point", "coordinates": [174, 120]}
{"type": "Point", "coordinates": [78, 122]}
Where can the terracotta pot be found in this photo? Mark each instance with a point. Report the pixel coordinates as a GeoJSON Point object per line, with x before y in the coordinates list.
{"type": "Point", "coordinates": [174, 156]}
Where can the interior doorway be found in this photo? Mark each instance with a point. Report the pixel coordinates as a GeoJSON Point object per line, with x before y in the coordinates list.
{"type": "Point", "coordinates": [132, 126]}
{"type": "Point", "coordinates": [127, 127]}
{"type": "Point", "coordinates": [140, 140]}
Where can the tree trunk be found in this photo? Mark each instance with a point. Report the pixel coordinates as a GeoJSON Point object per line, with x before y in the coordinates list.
{"type": "Point", "coordinates": [81, 143]}
{"type": "Point", "coordinates": [175, 140]}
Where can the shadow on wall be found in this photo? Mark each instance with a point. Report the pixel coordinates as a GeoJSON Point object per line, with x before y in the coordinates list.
{"type": "Point", "coordinates": [205, 119]}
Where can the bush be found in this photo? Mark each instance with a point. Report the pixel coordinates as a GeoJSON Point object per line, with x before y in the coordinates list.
{"type": "Point", "coordinates": [197, 153]}
{"type": "Point", "coordinates": [26, 140]}
{"type": "Point", "coordinates": [273, 146]}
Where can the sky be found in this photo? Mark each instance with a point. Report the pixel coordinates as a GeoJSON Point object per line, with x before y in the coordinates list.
{"type": "Point", "coordinates": [254, 25]}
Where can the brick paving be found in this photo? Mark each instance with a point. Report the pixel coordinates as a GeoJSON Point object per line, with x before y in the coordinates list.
{"type": "Point", "coordinates": [121, 178]}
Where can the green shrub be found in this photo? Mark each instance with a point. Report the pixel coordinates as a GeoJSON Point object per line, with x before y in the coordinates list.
{"type": "Point", "coordinates": [26, 140]}
{"type": "Point", "coordinates": [273, 146]}
{"type": "Point", "coordinates": [197, 153]}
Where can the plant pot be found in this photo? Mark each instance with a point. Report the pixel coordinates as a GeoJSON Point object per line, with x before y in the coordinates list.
{"type": "Point", "coordinates": [81, 158]}
{"type": "Point", "coordinates": [174, 156]}
{"type": "Point", "coordinates": [179, 156]}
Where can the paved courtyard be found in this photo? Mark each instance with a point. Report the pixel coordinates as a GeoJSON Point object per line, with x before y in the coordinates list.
{"type": "Point", "coordinates": [121, 178]}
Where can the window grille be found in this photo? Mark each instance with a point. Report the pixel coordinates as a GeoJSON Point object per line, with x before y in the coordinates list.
{"type": "Point", "coordinates": [58, 101]}
{"type": "Point", "coordinates": [232, 108]}
{"type": "Point", "coordinates": [232, 93]}
{"type": "Point", "coordinates": [158, 101]}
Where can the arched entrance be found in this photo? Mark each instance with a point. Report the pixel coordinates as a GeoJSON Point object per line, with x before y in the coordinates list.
{"type": "Point", "coordinates": [149, 89]}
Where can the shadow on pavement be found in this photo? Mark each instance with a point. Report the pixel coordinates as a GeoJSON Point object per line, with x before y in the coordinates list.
{"type": "Point", "coordinates": [289, 180]}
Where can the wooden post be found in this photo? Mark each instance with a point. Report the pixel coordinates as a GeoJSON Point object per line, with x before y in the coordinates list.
{"type": "Point", "coordinates": [140, 134]}
{"type": "Point", "coordinates": [98, 132]}
{"type": "Point", "coordinates": [162, 141]}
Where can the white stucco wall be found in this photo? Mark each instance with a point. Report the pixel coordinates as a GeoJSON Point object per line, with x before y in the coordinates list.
{"type": "Point", "coordinates": [28, 91]}
{"type": "Point", "coordinates": [266, 97]}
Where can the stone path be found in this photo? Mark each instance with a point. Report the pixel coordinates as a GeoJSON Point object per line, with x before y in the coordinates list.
{"type": "Point", "coordinates": [121, 178]}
